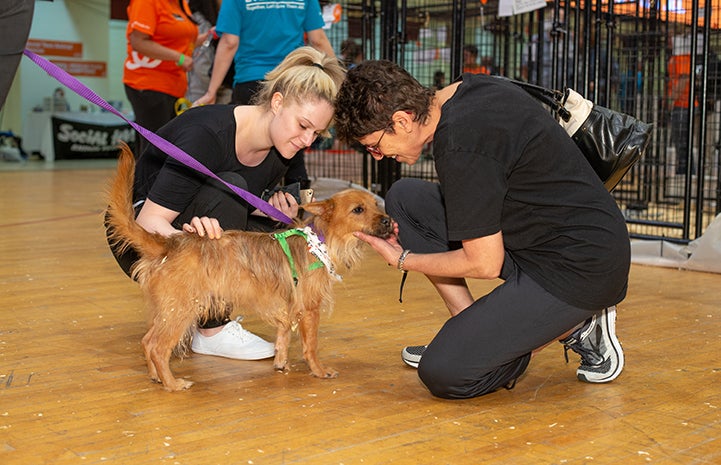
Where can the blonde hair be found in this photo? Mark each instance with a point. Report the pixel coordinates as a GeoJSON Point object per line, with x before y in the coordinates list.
{"type": "Point", "coordinates": [304, 74]}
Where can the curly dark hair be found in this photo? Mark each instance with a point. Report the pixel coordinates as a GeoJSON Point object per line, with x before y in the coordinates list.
{"type": "Point", "coordinates": [371, 93]}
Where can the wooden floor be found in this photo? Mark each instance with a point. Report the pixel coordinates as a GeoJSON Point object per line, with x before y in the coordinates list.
{"type": "Point", "coordinates": [74, 390]}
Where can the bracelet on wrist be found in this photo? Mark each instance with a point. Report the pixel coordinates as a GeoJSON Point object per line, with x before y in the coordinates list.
{"type": "Point", "coordinates": [181, 60]}
{"type": "Point", "coordinates": [402, 259]}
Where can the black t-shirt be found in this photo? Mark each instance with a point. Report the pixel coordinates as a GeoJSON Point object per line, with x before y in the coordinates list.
{"type": "Point", "coordinates": [207, 134]}
{"type": "Point", "coordinates": [505, 164]}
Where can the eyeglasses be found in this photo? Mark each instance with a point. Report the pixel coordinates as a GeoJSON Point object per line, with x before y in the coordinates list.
{"type": "Point", "coordinates": [373, 149]}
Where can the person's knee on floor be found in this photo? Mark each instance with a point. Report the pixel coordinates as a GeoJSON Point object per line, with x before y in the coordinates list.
{"type": "Point", "coordinates": [448, 381]}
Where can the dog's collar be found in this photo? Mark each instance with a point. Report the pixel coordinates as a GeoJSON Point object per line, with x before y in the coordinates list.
{"type": "Point", "coordinates": [316, 247]}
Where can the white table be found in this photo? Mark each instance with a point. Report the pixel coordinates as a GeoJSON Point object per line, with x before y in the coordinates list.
{"type": "Point", "coordinates": [38, 133]}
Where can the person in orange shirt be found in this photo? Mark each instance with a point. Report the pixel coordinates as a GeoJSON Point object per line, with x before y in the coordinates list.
{"type": "Point", "coordinates": [161, 38]}
{"type": "Point", "coordinates": [678, 87]}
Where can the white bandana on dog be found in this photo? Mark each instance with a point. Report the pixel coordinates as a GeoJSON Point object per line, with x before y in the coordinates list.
{"type": "Point", "coordinates": [317, 248]}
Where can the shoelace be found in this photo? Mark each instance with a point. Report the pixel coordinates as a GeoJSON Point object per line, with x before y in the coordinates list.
{"type": "Point", "coordinates": [237, 329]}
{"type": "Point", "coordinates": [566, 348]}
{"type": "Point", "coordinates": [573, 342]}
{"type": "Point", "coordinates": [588, 355]}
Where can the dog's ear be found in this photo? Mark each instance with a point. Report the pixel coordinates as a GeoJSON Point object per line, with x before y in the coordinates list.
{"type": "Point", "coordinates": [320, 208]}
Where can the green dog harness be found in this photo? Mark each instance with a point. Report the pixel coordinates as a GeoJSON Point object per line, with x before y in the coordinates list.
{"type": "Point", "coordinates": [316, 247]}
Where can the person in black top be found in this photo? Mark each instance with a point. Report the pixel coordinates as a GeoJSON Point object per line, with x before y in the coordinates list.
{"type": "Point", "coordinates": [516, 200]}
{"type": "Point", "coordinates": [249, 146]}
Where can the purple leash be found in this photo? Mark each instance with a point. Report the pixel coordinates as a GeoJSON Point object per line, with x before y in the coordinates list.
{"type": "Point", "coordinates": [173, 151]}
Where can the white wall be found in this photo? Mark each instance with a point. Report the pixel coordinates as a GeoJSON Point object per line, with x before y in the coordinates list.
{"type": "Point", "coordinates": [85, 21]}
{"type": "Point", "coordinates": [116, 58]}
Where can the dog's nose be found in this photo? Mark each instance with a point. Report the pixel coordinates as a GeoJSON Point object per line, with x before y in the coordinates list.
{"type": "Point", "coordinates": [386, 221]}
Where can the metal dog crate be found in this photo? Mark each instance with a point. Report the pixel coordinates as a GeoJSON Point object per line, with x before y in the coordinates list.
{"type": "Point", "coordinates": [614, 53]}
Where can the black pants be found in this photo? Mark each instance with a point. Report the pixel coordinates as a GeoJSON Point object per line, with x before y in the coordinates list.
{"type": "Point", "coordinates": [152, 110]}
{"type": "Point", "coordinates": [214, 200]}
{"type": "Point", "coordinates": [243, 92]}
{"type": "Point", "coordinates": [488, 345]}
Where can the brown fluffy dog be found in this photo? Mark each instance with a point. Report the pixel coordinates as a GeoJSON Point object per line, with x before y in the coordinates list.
{"type": "Point", "coordinates": [186, 278]}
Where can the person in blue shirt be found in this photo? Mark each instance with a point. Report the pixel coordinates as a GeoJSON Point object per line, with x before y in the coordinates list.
{"type": "Point", "coordinates": [255, 36]}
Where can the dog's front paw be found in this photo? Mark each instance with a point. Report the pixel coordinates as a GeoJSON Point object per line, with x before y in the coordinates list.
{"type": "Point", "coordinates": [281, 368]}
{"type": "Point", "coordinates": [178, 385]}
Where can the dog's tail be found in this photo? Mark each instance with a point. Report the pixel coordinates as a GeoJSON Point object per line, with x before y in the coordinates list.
{"type": "Point", "coordinates": [124, 231]}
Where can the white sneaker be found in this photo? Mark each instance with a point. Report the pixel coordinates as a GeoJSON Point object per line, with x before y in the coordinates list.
{"type": "Point", "coordinates": [233, 342]}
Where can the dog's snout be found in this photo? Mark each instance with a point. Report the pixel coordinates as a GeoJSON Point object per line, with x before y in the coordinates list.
{"type": "Point", "coordinates": [385, 227]}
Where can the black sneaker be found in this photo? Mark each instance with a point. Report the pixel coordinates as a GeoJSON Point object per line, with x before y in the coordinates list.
{"type": "Point", "coordinates": [412, 355]}
{"type": "Point", "coordinates": [596, 343]}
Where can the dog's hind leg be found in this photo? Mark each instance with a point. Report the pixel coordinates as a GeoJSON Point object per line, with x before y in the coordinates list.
{"type": "Point", "coordinates": [309, 338]}
{"type": "Point", "coordinates": [158, 344]}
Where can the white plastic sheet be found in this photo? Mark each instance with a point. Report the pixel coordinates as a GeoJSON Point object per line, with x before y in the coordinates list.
{"type": "Point", "coordinates": [702, 254]}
